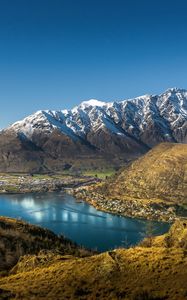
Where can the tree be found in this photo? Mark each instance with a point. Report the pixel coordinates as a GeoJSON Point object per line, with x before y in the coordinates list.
{"type": "Point", "coordinates": [149, 233]}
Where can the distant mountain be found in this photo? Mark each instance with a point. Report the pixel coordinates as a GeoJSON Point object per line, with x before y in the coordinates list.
{"type": "Point", "coordinates": [95, 132]}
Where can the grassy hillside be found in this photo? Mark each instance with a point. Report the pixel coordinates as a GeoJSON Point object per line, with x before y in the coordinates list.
{"type": "Point", "coordinates": [154, 186]}
{"type": "Point", "coordinates": [161, 173]}
{"type": "Point", "coordinates": [154, 272]}
{"type": "Point", "coordinates": [18, 238]}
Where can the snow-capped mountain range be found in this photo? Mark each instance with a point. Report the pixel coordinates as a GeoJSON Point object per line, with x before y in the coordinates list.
{"type": "Point", "coordinates": [166, 114]}
{"type": "Point", "coordinates": [115, 129]}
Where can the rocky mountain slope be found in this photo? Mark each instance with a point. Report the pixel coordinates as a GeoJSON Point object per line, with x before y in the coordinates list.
{"type": "Point", "coordinates": [152, 271]}
{"type": "Point", "coordinates": [153, 186]}
{"type": "Point", "coordinates": [96, 132]}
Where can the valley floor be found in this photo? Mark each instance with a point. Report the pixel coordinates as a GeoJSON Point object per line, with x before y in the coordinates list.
{"type": "Point", "coordinates": [29, 183]}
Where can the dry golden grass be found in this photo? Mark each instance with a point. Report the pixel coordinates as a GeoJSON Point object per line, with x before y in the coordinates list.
{"type": "Point", "coordinates": [18, 238]}
{"type": "Point", "coordinates": [161, 173]}
{"type": "Point", "coordinates": [157, 180]}
{"type": "Point", "coordinates": [139, 273]}
{"type": "Point", "coordinates": [119, 274]}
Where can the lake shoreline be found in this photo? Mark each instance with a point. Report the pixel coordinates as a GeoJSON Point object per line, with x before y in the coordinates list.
{"type": "Point", "coordinates": [129, 207]}
{"type": "Point", "coordinates": [78, 186]}
{"type": "Point", "coordinates": [61, 213]}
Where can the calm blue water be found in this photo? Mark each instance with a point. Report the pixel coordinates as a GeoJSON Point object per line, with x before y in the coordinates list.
{"type": "Point", "coordinates": [80, 222]}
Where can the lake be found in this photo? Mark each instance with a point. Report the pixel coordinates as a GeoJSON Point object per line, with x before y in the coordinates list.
{"type": "Point", "coordinates": [79, 221]}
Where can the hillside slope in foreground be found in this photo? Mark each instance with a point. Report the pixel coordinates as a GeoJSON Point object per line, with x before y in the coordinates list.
{"type": "Point", "coordinates": [156, 269]}
{"type": "Point", "coordinates": [154, 186]}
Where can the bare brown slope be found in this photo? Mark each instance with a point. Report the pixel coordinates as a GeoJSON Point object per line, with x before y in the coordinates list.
{"type": "Point", "coordinates": [53, 152]}
{"type": "Point", "coordinates": [18, 154]}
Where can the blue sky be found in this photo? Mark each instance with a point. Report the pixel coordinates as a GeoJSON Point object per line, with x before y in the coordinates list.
{"type": "Point", "coordinates": [56, 53]}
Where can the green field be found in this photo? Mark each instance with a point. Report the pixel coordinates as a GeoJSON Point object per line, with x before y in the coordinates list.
{"type": "Point", "coordinates": [100, 174]}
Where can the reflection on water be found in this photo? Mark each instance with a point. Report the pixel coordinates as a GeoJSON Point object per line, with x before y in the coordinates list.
{"type": "Point", "coordinates": [78, 221]}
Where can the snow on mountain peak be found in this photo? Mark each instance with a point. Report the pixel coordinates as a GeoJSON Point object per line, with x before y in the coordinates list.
{"type": "Point", "coordinates": [93, 102]}
{"type": "Point", "coordinates": [174, 90]}
{"type": "Point", "coordinates": [166, 113]}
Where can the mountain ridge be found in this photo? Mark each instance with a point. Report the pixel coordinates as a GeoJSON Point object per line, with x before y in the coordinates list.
{"type": "Point", "coordinates": [94, 113]}
{"type": "Point", "coordinates": [111, 131]}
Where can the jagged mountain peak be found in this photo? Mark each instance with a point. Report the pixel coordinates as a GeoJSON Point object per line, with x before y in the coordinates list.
{"type": "Point", "coordinates": [120, 130]}
{"type": "Point", "coordinates": [133, 116]}
{"type": "Point", "coordinates": [175, 90]}
{"type": "Point", "coordinates": [145, 98]}
{"type": "Point", "coordinates": [93, 103]}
